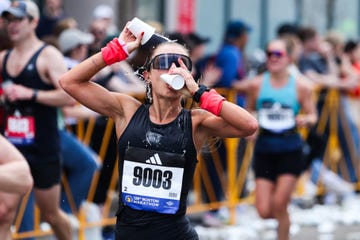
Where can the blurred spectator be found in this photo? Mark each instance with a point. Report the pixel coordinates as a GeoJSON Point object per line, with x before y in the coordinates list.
{"type": "Point", "coordinates": [79, 161]}
{"type": "Point", "coordinates": [73, 43]}
{"type": "Point", "coordinates": [349, 79]}
{"type": "Point", "coordinates": [317, 60]}
{"type": "Point", "coordinates": [352, 50]}
{"type": "Point", "coordinates": [320, 63]}
{"type": "Point", "coordinates": [231, 56]}
{"type": "Point", "coordinates": [60, 26]}
{"type": "Point", "coordinates": [208, 75]}
{"type": "Point", "coordinates": [232, 53]}
{"type": "Point", "coordinates": [196, 45]}
{"type": "Point", "coordinates": [51, 13]}
{"type": "Point", "coordinates": [313, 64]}
{"type": "Point", "coordinates": [105, 13]}
{"type": "Point", "coordinates": [287, 29]}
{"type": "Point", "coordinates": [97, 28]}
{"type": "Point", "coordinates": [63, 24]}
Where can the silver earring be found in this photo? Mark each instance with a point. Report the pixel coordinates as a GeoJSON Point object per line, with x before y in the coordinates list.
{"type": "Point", "coordinates": [149, 98]}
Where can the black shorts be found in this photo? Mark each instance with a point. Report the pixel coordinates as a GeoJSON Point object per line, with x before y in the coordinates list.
{"type": "Point", "coordinates": [47, 173]}
{"type": "Point", "coordinates": [178, 228]}
{"type": "Point", "coordinates": [271, 165]}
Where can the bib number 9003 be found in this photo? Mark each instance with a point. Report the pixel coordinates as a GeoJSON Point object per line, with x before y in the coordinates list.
{"type": "Point", "coordinates": [149, 177]}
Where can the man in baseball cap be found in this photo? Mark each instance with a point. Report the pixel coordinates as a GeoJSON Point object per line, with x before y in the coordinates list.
{"type": "Point", "coordinates": [21, 9]}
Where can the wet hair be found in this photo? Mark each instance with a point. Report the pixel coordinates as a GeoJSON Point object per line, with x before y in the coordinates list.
{"type": "Point", "coordinates": [179, 38]}
{"type": "Point", "coordinates": [141, 55]}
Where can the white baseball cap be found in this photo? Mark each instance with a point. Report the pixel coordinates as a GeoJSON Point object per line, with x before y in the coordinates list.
{"type": "Point", "coordinates": [103, 11]}
{"type": "Point", "coordinates": [22, 9]}
{"type": "Point", "coordinates": [72, 37]}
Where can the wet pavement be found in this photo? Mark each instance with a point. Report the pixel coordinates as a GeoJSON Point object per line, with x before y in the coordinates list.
{"type": "Point", "coordinates": [318, 222]}
{"type": "Point", "coordinates": [336, 221]}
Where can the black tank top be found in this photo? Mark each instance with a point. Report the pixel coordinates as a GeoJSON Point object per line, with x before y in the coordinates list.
{"type": "Point", "coordinates": [152, 160]}
{"type": "Point", "coordinates": [46, 141]}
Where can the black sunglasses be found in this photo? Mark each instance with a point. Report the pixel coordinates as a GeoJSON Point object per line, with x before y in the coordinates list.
{"type": "Point", "coordinates": [165, 60]}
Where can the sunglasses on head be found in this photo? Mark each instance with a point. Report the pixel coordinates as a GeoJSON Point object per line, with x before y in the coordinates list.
{"type": "Point", "coordinates": [165, 60]}
{"type": "Point", "coordinates": [275, 53]}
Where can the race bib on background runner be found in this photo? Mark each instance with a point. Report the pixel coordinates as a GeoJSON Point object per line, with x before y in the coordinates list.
{"type": "Point", "coordinates": [20, 130]}
{"type": "Point", "coordinates": [276, 117]}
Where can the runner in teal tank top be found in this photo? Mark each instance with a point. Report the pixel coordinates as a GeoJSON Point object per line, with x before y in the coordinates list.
{"type": "Point", "coordinates": [282, 104]}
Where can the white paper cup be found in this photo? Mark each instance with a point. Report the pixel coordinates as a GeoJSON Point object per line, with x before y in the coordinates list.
{"type": "Point", "coordinates": [175, 81]}
{"type": "Point", "coordinates": [137, 26]}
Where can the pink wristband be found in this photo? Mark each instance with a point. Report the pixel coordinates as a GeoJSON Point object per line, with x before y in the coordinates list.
{"type": "Point", "coordinates": [212, 102]}
{"type": "Point", "coordinates": [114, 52]}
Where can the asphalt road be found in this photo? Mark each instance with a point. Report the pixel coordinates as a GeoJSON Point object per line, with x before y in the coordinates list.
{"type": "Point", "coordinates": [319, 222]}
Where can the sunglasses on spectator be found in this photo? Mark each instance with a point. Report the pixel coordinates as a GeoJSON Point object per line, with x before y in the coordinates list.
{"type": "Point", "coordinates": [275, 53]}
{"type": "Point", "coordinates": [165, 60]}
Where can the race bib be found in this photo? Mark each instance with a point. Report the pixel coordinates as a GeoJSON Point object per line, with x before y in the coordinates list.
{"type": "Point", "coordinates": [152, 180]}
{"type": "Point", "coordinates": [20, 130]}
{"type": "Point", "coordinates": [276, 118]}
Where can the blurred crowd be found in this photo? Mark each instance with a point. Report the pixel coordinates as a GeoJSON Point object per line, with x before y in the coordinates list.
{"type": "Point", "coordinates": [324, 62]}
